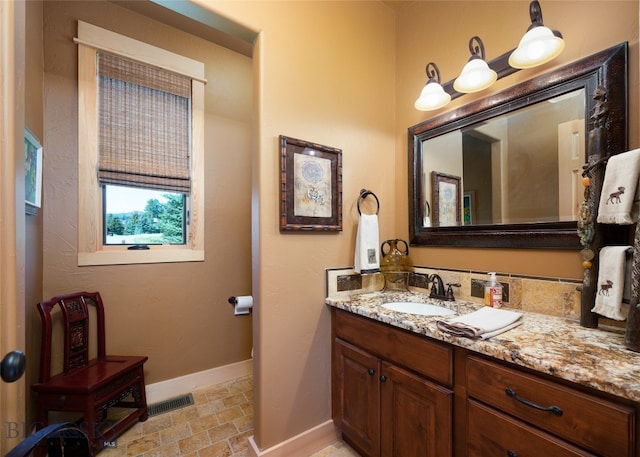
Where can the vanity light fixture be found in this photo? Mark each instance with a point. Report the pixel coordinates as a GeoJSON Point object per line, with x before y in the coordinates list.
{"type": "Point", "coordinates": [539, 45]}
{"type": "Point", "coordinates": [433, 95]}
{"type": "Point", "coordinates": [476, 74]}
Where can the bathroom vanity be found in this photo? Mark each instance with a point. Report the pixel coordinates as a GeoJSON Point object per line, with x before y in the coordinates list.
{"type": "Point", "coordinates": [401, 387]}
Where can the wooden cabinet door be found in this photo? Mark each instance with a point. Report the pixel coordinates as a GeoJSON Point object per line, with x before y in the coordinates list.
{"type": "Point", "coordinates": [416, 415]}
{"type": "Point", "coordinates": [356, 403]}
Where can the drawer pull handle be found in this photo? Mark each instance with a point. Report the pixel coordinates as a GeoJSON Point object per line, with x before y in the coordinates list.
{"type": "Point", "coordinates": [372, 371]}
{"type": "Point", "coordinates": [554, 409]}
{"type": "Point", "coordinates": [511, 453]}
{"type": "Point", "coordinates": [383, 378]}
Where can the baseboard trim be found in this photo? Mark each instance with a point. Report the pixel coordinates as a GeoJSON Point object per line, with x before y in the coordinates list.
{"type": "Point", "coordinates": [172, 387]}
{"type": "Point", "coordinates": [302, 445]}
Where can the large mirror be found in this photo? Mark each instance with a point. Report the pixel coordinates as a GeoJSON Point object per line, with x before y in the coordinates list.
{"type": "Point", "coordinates": [505, 171]}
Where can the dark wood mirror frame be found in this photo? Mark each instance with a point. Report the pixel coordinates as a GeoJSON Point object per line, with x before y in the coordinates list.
{"type": "Point", "coordinates": [607, 68]}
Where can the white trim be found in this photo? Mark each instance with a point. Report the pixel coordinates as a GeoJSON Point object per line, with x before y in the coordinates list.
{"type": "Point", "coordinates": [306, 443]}
{"type": "Point", "coordinates": [177, 386]}
{"type": "Point", "coordinates": [106, 40]}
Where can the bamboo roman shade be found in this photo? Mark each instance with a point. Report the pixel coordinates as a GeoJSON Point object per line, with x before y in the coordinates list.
{"type": "Point", "coordinates": [144, 125]}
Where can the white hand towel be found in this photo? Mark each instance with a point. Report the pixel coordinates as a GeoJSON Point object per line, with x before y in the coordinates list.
{"type": "Point", "coordinates": [619, 188]}
{"type": "Point", "coordinates": [482, 324]}
{"type": "Point", "coordinates": [367, 252]}
{"type": "Point", "coordinates": [611, 270]}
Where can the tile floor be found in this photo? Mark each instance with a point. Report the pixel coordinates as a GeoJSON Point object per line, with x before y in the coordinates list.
{"type": "Point", "coordinates": [216, 425]}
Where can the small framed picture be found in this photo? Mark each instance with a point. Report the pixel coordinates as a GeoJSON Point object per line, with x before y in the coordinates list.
{"type": "Point", "coordinates": [310, 187]}
{"type": "Point", "coordinates": [469, 207]}
{"type": "Point", "coordinates": [447, 210]}
{"type": "Point", "coordinates": [32, 173]}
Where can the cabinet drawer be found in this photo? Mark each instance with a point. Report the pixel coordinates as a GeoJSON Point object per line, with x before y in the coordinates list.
{"type": "Point", "coordinates": [428, 358]}
{"type": "Point", "coordinates": [493, 434]}
{"type": "Point", "coordinates": [601, 426]}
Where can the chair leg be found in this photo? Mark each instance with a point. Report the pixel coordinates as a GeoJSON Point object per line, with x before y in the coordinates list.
{"type": "Point", "coordinates": [91, 426]}
{"type": "Point", "coordinates": [140, 397]}
{"type": "Point", "coordinates": [42, 417]}
{"type": "Point", "coordinates": [42, 420]}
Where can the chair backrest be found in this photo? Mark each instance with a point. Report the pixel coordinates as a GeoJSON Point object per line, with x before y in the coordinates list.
{"type": "Point", "coordinates": [76, 325]}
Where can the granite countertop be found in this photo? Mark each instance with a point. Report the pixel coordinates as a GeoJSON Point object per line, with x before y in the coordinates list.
{"type": "Point", "coordinates": [547, 344]}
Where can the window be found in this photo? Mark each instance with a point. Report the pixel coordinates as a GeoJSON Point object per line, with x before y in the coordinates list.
{"type": "Point", "coordinates": [140, 216]}
{"type": "Point", "coordinates": [143, 151]}
{"type": "Point", "coordinates": [140, 131]}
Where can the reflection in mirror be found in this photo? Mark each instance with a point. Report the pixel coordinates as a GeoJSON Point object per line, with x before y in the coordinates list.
{"type": "Point", "coordinates": [505, 170]}
{"type": "Point", "coordinates": [522, 166]}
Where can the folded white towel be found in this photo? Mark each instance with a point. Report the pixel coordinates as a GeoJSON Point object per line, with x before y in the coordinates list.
{"type": "Point", "coordinates": [482, 324]}
{"type": "Point", "coordinates": [619, 188]}
{"type": "Point", "coordinates": [367, 252]}
{"type": "Point", "coordinates": [611, 270]}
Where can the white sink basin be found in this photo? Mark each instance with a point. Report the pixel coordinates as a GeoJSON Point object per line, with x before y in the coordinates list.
{"type": "Point", "coordinates": [424, 309]}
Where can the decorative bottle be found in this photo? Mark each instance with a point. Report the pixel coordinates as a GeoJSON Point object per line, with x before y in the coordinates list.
{"type": "Point", "coordinates": [396, 265]}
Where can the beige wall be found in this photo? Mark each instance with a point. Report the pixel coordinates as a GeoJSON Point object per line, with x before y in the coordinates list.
{"type": "Point", "coordinates": [343, 74]}
{"type": "Point", "coordinates": [34, 114]}
{"type": "Point", "coordinates": [334, 62]}
{"type": "Point", "coordinates": [326, 74]}
{"type": "Point", "coordinates": [176, 313]}
{"type": "Point", "coordinates": [439, 31]}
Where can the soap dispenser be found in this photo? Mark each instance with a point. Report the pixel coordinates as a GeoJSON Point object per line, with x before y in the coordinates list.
{"type": "Point", "coordinates": [493, 292]}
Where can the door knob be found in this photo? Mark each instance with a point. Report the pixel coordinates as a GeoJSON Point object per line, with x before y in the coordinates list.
{"type": "Point", "coordinates": [12, 366]}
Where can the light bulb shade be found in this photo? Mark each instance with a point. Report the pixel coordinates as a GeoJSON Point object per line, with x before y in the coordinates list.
{"type": "Point", "coordinates": [538, 46]}
{"type": "Point", "coordinates": [432, 97]}
{"type": "Point", "coordinates": [476, 76]}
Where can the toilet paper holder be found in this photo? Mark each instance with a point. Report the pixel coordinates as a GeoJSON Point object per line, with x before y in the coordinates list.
{"type": "Point", "coordinates": [242, 308]}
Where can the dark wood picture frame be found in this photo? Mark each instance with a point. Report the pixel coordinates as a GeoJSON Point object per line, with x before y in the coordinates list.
{"type": "Point", "coordinates": [310, 187]}
{"type": "Point", "coordinates": [447, 203]}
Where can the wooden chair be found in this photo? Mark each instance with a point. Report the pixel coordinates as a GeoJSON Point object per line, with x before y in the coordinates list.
{"type": "Point", "coordinates": [88, 386]}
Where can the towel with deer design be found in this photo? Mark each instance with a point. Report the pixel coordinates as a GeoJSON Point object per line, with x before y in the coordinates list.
{"type": "Point", "coordinates": [619, 188]}
{"type": "Point", "coordinates": [611, 274]}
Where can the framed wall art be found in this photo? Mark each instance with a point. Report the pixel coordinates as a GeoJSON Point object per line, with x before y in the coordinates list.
{"type": "Point", "coordinates": [310, 187]}
{"type": "Point", "coordinates": [32, 173]}
{"type": "Point", "coordinates": [446, 199]}
{"type": "Point", "coordinates": [469, 207]}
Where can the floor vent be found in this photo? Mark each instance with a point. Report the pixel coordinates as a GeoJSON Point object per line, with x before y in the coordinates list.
{"type": "Point", "coordinates": [170, 405]}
